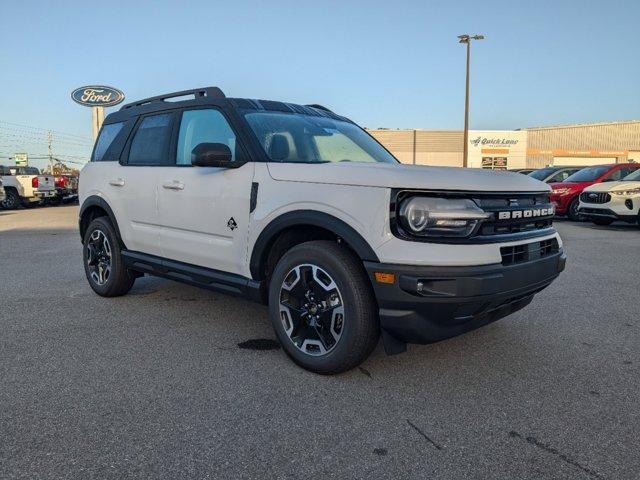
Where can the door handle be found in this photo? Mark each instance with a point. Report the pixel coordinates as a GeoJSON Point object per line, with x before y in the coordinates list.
{"type": "Point", "coordinates": [174, 185]}
{"type": "Point", "coordinates": [118, 182]}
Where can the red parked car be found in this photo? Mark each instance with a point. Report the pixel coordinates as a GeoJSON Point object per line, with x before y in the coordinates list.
{"type": "Point", "coordinates": [566, 195]}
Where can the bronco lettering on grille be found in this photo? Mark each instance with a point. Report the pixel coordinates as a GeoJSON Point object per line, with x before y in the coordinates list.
{"type": "Point", "coordinates": [529, 213]}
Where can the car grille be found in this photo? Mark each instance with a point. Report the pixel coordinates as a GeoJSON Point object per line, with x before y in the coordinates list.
{"type": "Point", "coordinates": [528, 251]}
{"type": "Point", "coordinates": [595, 197]}
{"type": "Point", "coordinates": [526, 212]}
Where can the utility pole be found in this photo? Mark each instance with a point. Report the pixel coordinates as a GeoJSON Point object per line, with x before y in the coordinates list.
{"type": "Point", "coordinates": [50, 138]}
{"type": "Point", "coordinates": [465, 150]}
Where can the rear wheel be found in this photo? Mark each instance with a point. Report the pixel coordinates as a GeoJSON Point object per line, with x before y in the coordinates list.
{"type": "Point", "coordinates": [602, 221]}
{"type": "Point", "coordinates": [572, 211]}
{"type": "Point", "coordinates": [103, 263]}
{"type": "Point", "coordinates": [12, 200]}
{"type": "Point", "coordinates": [322, 307]}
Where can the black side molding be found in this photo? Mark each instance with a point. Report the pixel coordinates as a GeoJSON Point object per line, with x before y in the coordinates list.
{"type": "Point", "coordinates": [96, 201]}
{"type": "Point", "coordinates": [193, 275]}
{"type": "Point", "coordinates": [314, 218]}
{"type": "Point", "coordinates": [253, 200]}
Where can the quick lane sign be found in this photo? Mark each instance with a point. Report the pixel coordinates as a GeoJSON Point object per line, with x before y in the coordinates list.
{"type": "Point", "coordinates": [97, 96]}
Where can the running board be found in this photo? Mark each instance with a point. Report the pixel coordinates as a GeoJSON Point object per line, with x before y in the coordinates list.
{"type": "Point", "coordinates": [193, 275]}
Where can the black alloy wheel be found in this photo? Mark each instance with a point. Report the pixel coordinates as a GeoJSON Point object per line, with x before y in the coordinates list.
{"type": "Point", "coordinates": [311, 309]}
{"type": "Point", "coordinates": [99, 257]}
{"type": "Point", "coordinates": [103, 263]}
{"type": "Point", "coordinates": [323, 308]}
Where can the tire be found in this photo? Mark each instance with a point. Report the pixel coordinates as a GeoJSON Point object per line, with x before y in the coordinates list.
{"type": "Point", "coordinates": [119, 279]}
{"type": "Point", "coordinates": [12, 200]}
{"type": "Point", "coordinates": [572, 211]}
{"type": "Point", "coordinates": [602, 221]}
{"type": "Point", "coordinates": [337, 276]}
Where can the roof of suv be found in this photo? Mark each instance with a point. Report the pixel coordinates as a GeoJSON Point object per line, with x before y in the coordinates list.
{"type": "Point", "coordinates": [214, 96]}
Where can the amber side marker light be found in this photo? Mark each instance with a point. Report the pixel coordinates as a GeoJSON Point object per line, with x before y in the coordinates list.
{"type": "Point", "coordinates": [382, 277]}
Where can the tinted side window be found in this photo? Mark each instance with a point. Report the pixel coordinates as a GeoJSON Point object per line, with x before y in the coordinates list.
{"type": "Point", "coordinates": [627, 171]}
{"type": "Point", "coordinates": [614, 176]}
{"type": "Point", "coordinates": [563, 175]}
{"type": "Point", "coordinates": [106, 138]}
{"type": "Point", "coordinates": [149, 144]}
{"type": "Point", "coordinates": [203, 126]}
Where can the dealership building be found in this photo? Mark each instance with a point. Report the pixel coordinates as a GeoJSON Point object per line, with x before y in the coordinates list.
{"type": "Point", "coordinates": [584, 144]}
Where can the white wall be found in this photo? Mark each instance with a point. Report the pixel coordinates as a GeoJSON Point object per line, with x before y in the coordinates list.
{"type": "Point", "coordinates": [582, 161]}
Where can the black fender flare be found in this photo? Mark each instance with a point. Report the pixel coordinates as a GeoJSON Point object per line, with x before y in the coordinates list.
{"type": "Point", "coordinates": [96, 201]}
{"type": "Point", "coordinates": [308, 217]}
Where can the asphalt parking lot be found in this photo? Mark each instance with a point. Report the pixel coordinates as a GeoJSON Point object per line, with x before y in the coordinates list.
{"type": "Point", "coordinates": [154, 384]}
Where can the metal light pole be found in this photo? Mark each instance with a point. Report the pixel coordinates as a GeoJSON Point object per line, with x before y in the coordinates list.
{"type": "Point", "coordinates": [465, 152]}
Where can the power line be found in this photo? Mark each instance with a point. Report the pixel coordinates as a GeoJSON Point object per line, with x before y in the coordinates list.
{"type": "Point", "coordinates": [45, 130]}
{"type": "Point", "coordinates": [43, 136]}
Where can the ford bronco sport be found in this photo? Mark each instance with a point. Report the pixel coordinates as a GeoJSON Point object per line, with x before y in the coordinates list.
{"type": "Point", "coordinates": [299, 208]}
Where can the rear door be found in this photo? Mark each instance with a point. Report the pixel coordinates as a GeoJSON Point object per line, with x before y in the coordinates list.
{"type": "Point", "coordinates": [204, 211]}
{"type": "Point", "coordinates": [134, 182]}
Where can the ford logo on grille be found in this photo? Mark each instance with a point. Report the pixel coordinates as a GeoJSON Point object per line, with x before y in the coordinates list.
{"type": "Point", "coordinates": [528, 213]}
{"type": "Point", "coordinates": [97, 96]}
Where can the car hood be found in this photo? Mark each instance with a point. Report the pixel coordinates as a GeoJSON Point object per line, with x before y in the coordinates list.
{"type": "Point", "coordinates": [569, 185]}
{"type": "Point", "coordinates": [611, 186]}
{"type": "Point", "coordinates": [406, 176]}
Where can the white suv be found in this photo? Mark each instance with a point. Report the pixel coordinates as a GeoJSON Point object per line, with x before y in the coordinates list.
{"type": "Point", "coordinates": [300, 208]}
{"type": "Point", "coordinates": [605, 202]}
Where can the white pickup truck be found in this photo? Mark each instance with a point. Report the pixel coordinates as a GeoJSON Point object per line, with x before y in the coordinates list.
{"type": "Point", "coordinates": [25, 186]}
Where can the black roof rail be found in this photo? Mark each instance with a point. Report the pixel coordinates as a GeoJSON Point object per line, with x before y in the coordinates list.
{"type": "Point", "coordinates": [319, 107]}
{"type": "Point", "coordinates": [212, 92]}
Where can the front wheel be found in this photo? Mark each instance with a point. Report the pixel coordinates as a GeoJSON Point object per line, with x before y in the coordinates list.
{"type": "Point", "coordinates": [103, 263]}
{"type": "Point", "coordinates": [322, 307]}
{"type": "Point", "coordinates": [572, 211]}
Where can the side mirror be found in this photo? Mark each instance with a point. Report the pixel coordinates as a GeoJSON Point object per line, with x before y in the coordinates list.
{"type": "Point", "coordinates": [212, 155]}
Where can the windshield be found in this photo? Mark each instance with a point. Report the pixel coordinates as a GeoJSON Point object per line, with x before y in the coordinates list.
{"type": "Point", "coordinates": [587, 174]}
{"type": "Point", "coordinates": [300, 138]}
{"type": "Point", "coordinates": [635, 176]}
{"type": "Point", "coordinates": [542, 173]}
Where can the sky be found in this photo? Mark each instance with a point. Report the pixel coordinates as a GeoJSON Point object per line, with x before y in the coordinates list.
{"type": "Point", "coordinates": [393, 64]}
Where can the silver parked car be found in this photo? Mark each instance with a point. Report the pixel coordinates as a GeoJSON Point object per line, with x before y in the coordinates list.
{"type": "Point", "coordinates": [554, 174]}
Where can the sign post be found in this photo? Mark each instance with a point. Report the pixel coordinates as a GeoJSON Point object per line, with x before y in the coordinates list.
{"type": "Point", "coordinates": [97, 97]}
{"type": "Point", "coordinates": [97, 117]}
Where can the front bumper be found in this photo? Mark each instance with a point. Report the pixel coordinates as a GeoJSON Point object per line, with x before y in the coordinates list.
{"type": "Point", "coordinates": [625, 208]}
{"type": "Point", "coordinates": [561, 202]}
{"type": "Point", "coordinates": [455, 300]}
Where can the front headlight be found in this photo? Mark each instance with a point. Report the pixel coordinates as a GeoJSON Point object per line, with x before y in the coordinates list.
{"type": "Point", "coordinates": [560, 191]}
{"type": "Point", "coordinates": [626, 193]}
{"type": "Point", "coordinates": [437, 217]}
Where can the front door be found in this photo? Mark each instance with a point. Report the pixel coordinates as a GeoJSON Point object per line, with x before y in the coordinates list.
{"type": "Point", "coordinates": [204, 211]}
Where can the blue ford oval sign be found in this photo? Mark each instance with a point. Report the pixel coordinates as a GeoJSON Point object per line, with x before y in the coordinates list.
{"type": "Point", "coordinates": [97, 96]}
